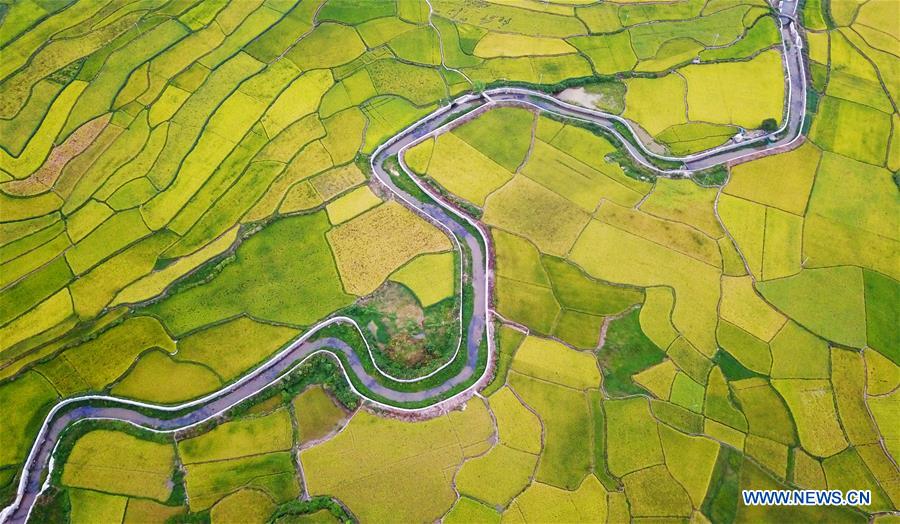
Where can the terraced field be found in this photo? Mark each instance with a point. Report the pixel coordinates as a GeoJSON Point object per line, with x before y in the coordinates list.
{"type": "Point", "coordinates": [673, 282]}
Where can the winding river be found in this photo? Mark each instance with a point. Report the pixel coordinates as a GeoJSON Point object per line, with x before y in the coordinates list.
{"type": "Point", "coordinates": [39, 463]}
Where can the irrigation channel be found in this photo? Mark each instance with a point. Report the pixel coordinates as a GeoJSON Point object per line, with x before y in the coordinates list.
{"type": "Point", "coordinates": [476, 370]}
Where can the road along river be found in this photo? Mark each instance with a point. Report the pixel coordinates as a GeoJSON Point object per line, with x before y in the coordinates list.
{"type": "Point", "coordinates": [478, 331]}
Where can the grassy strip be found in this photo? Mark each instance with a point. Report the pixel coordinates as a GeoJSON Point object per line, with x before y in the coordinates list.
{"type": "Point", "coordinates": [721, 501]}
{"type": "Point", "coordinates": [731, 368]}
{"type": "Point", "coordinates": [626, 352]}
{"type": "Point", "coordinates": [550, 88]}
{"type": "Point", "coordinates": [52, 506]}
{"type": "Point", "coordinates": [715, 176]}
{"type": "Point", "coordinates": [306, 507]}
{"type": "Point", "coordinates": [459, 114]}
{"type": "Point", "coordinates": [190, 518]}
{"type": "Point", "coordinates": [10, 480]}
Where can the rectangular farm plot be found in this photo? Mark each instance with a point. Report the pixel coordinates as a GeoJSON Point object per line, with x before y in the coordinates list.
{"type": "Point", "coordinates": [464, 171]}
{"type": "Point", "coordinates": [497, 476]}
{"type": "Point", "coordinates": [740, 93]}
{"type": "Point", "coordinates": [530, 304]}
{"type": "Point", "coordinates": [608, 53]}
{"type": "Point", "coordinates": [673, 235]}
{"type": "Point", "coordinates": [102, 360]}
{"type": "Point", "coordinates": [25, 401]}
{"type": "Point", "coordinates": [591, 149]}
{"type": "Point", "coordinates": [421, 45]}
{"type": "Point", "coordinates": [841, 318]}
{"type": "Point", "coordinates": [493, 45]}
{"type": "Point", "coordinates": [517, 427]}
{"type": "Point", "coordinates": [783, 181]}
{"type": "Point", "coordinates": [368, 248]}
{"type": "Point", "coordinates": [380, 30]}
{"type": "Point", "coordinates": [741, 306]}
{"type": "Point", "coordinates": [881, 315]}
{"type": "Point", "coordinates": [797, 353]}
{"type": "Point", "coordinates": [852, 77]}
{"type": "Point", "coordinates": [420, 85]}
{"type": "Point", "coordinates": [654, 492]}
{"type": "Point", "coordinates": [513, 124]}
{"type": "Point", "coordinates": [529, 209]}
{"type": "Point", "coordinates": [317, 414]}
{"type": "Point", "coordinates": [518, 259]}
{"type": "Point", "coordinates": [365, 468]}
{"type": "Point", "coordinates": [352, 204]}
{"type": "Point", "coordinates": [632, 437]}
{"type": "Point", "coordinates": [284, 273]}
{"type": "Point", "coordinates": [581, 330]}
{"type": "Point", "coordinates": [685, 202]}
{"type": "Point", "coordinates": [549, 360]}
{"type": "Point", "coordinates": [812, 406]}
{"type": "Point", "coordinates": [238, 438]}
{"type": "Point", "coordinates": [746, 222]}
{"type": "Point", "coordinates": [618, 256]}
{"type": "Point", "coordinates": [847, 222]}
{"type": "Point", "coordinates": [523, 290]}
{"type": "Point", "coordinates": [431, 277]}
{"type": "Point", "coordinates": [544, 503]}
{"type": "Point", "coordinates": [783, 242]}
{"type": "Point", "coordinates": [853, 130]}
{"type": "Point", "coordinates": [272, 473]}
{"type": "Point", "coordinates": [574, 180]}
{"type": "Point", "coordinates": [90, 506]}
{"type": "Point", "coordinates": [156, 377]}
{"type": "Point", "coordinates": [145, 510]}
{"type": "Point", "coordinates": [656, 103]}
{"type": "Point", "coordinates": [568, 447]}
{"type": "Point", "coordinates": [116, 462]}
